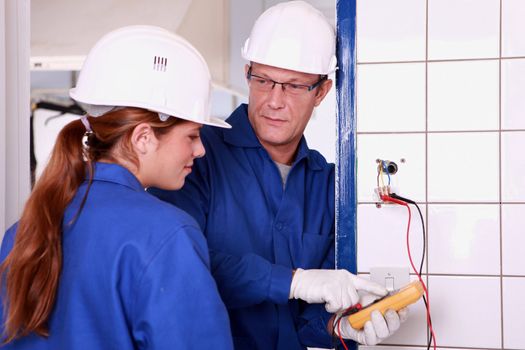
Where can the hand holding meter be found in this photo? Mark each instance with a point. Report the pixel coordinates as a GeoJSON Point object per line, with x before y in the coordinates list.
{"type": "Point", "coordinates": [397, 301]}
{"type": "Point", "coordinates": [379, 320]}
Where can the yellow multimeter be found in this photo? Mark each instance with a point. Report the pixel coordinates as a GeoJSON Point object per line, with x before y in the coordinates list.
{"type": "Point", "coordinates": [400, 299]}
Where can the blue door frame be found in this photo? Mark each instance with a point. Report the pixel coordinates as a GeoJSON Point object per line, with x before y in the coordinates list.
{"type": "Point", "coordinates": [345, 178]}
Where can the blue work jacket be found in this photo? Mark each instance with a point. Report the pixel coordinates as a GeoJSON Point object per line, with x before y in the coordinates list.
{"type": "Point", "coordinates": [135, 275]}
{"type": "Point", "coordinates": [259, 232]}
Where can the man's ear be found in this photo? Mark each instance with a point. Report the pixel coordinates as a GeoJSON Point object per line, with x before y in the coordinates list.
{"type": "Point", "coordinates": [322, 90]}
{"type": "Point", "coordinates": [143, 138]}
{"type": "Point", "coordinates": [246, 67]}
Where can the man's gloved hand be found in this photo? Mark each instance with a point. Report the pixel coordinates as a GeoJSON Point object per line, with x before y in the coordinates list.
{"type": "Point", "coordinates": [337, 289]}
{"type": "Point", "coordinates": [375, 330]}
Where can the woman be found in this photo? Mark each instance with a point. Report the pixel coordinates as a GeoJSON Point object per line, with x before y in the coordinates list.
{"type": "Point", "coordinates": [96, 262]}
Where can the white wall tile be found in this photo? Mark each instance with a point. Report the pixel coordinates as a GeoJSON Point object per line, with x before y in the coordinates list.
{"type": "Point", "coordinates": [463, 95]}
{"type": "Point", "coordinates": [513, 166]}
{"type": "Point", "coordinates": [381, 237]}
{"type": "Point", "coordinates": [464, 239]}
{"type": "Point", "coordinates": [513, 93]}
{"type": "Point", "coordinates": [390, 30]}
{"type": "Point", "coordinates": [409, 181]}
{"type": "Point", "coordinates": [513, 311]}
{"type": "Point", "coordinates": [513, 27]}
{"type": "Point", "coordinates": [391, 97]}
{"type": "Point", "coordinates": [513, 240]}
{"type": "Point", "coordinates": [463, 167]}
{"type": "Point", "coordinates": [463, 29]}
{"type": "Point", "coordinates": [465, 311]}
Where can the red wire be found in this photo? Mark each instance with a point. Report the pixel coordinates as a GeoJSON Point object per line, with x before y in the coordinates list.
{"type": "Point", "coordinates": [400, 202]}
{"type": "Point", "coordinates": [339, 331]}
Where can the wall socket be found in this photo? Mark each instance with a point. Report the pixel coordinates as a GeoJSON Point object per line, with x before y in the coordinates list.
{"type": "Point", "coordinates": [392, 278]}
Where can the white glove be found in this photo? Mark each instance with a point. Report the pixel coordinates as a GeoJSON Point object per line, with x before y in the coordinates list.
{"type": "Point", "coordinates": [336, 288]}
{"type": "Point", "coordinates": [375, 330]}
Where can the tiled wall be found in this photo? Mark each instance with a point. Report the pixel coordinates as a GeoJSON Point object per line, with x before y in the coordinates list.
{"type": "Point", "coordinates": [441, 91]}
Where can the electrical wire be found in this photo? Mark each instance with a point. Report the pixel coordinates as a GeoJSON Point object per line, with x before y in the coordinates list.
{"type": "Point", "coordinates": [382, 167]}
{"type": "Point", "coordinates": [337, 323]}
{"type": "Point", "coordinates": [385, 168]}
{"type": "Point", "coordinates": [381, 174]}
{"type": "Point", "coordinates": [427, 301]}
{"type": "Point", "coordinates": [339, 331]}
{"type": "Point", "coordinates": [393, 195]}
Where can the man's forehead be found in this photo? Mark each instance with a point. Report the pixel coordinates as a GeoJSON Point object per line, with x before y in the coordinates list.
{"type": "Point", "coordinates": [272, 71]}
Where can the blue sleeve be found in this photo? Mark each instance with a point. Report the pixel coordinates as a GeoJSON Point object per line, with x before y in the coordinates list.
{"type": "Point", "coordinates": [242, 280]}
{"type": "Point", "coordinates": [250, 279]}
{"type": "Point", "coordinates": [176, 304]}
{"type": "Point", "coordinates": [312, 327]}
{"type": "Point", "coordinates": [7, 242]}
{"type": "Point", "coordinates": [7, 245]}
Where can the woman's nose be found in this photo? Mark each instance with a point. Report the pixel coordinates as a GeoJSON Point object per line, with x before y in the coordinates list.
{"type": "Point", "coordinates": [198, 150]}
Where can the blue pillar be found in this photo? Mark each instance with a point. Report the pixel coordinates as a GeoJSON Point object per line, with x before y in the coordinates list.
{"type": "Point", "coordinates": [345, 178]}
{"type": "Point", "coordinates": [345, 182]}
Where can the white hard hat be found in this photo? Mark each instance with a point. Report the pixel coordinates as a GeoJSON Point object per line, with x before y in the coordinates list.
{"type": "Point", "coordinates": [146, 67]}
{"type": "Point", "coordinates": [292, 35]}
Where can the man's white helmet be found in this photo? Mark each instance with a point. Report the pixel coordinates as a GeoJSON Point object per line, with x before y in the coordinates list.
{"type": "Point", "coordinates": [293, 35]}
{"type": "Point", "coordinates": [146, 67]}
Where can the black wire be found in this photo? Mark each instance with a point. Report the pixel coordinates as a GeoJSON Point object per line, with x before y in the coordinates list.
{"type": "Point", "coordinates": [393, 195]}
{"type": "Point", "coordinates": [335, 337]}
{"type": "Point", "coordinates": [430, 323]}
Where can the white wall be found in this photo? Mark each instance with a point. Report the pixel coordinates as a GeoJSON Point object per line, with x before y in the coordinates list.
{"type": "Point", "coordinates": [14, 109]}
{"type": "Point", "coordinates": [442, 85]}
{"type": "Point", "coordinates": [2, 116]}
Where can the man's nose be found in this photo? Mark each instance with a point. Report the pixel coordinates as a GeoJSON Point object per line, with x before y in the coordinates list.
{"type": "Point", "coordinates": [276, 96]}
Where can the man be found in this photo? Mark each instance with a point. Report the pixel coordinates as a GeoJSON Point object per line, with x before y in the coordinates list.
{"type": "Point", "coordinates": [266, 202]}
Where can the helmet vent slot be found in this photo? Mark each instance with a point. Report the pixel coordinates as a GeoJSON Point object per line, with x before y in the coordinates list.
{"type": "Point", "coordinates": [160, 63]}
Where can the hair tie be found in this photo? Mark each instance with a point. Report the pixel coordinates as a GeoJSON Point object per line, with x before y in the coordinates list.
{"type": "Point", "coordinates": [85, 121]}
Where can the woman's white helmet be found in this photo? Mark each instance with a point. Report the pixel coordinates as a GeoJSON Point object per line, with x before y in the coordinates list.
{"type": "Point", "coordinates": [293, 35]}
{"type": "Point", "coordinates": [146, 67]}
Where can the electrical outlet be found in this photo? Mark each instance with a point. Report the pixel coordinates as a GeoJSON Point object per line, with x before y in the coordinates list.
{"type": "Point", "coordinates": [392, 278]}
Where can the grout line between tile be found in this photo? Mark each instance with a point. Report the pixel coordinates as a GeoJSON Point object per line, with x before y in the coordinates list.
{"type": "Point", "coordinates": [444, 60]}
{"type": "Point", "coordinates": [436, 274]}
{"type": "Point", "coordinates": [426, 161]}
{"type": "Point", "coordinates": [437, 132]}
{"type": "Point", "coordinates": [500, 181]}
{"type": "Point", "coordinates": [441, 347]}
{"type": "Point", "coordinates": [449, 203]}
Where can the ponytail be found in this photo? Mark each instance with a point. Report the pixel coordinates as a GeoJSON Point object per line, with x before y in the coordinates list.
{"type": "Point", "coordinates": [33, 266]}
{"type": "Point", "coordinates": [31, 270]}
